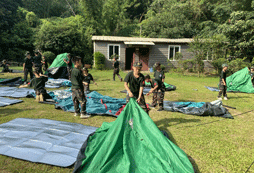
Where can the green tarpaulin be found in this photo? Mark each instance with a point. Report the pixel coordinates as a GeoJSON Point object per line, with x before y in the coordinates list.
{"type": "Point", "coordinates": [132, 143]}
{"type": "Point", "coordinates": [240, 81]}
{"type": "Point", "coordinates": [58, 62]}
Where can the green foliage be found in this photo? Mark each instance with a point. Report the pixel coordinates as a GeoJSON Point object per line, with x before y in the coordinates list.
{"type": "Point", "coordinates": [88, 60]}
{"type": "Point", "coordinates": [217, 64]}
{"type": "Point", "coordinates": [99, 61]}
{"type": "Point", "coordinates": [32, 19]}
{"type": "Point", "coordinates": [237, 64]}
{"type": "Point", "coordinates": [49, 56]}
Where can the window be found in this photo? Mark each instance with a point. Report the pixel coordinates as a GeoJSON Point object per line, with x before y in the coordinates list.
{"type": "Point", "coordinates": [113, 50]}
{"type": "Point", "coordinates": [172, 50]}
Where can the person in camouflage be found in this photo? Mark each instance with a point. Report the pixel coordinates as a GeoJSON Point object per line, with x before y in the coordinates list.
{"type": "Point", "coordinates": [134, 83]}
{"type": "Point", "coordinates": [158, 90]}
{"type": "Point", "coordinates": [44, 63]}
{"type": "Point", "coordinates": [5, 66]}
{"type": "Point", "coordinates": [68, 61]}
{"type": "Point", "coordinates": [223, 84]}
{"type": "Point", "coordinates": [87, 79]}
{"type": "Point", "coordinates": [116, 69]}
{"type": "Point", "coordinates": [78, 95]}
{"type": "Point", "coordinates": [37, 60]}
{"type": "Point", "coordinates": [28, 67]}
{"type": "Point", "coordinates": [159, 73]}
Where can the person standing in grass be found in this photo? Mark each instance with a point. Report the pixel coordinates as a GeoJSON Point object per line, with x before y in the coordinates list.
{"type": "Point", "coordinates": [116, 69]}
{"type": "Point", "coordinates": [44, 63]}
{"type": "Point", "coordinates": [37, 60]}
{"type": "Point", "coordinates": [158, 90]}
{"type": "Point", "coordinates": [28, 67]}
{"type": "Point", "coordinates": [68, 61]}
{"type": "Point", "coordinates": [134, 83]}
{"type": "Point", "coordinates": [223, 84]}
{"type": "Point", "coordinates": [78, 95]}
{"type": "Point", "coordinates": [159, 73]}
{"type": "Point", "coordinates": [87, 78]}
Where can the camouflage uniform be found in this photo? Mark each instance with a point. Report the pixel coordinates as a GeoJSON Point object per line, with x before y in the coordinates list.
{"type": "Point", "coordinates": [158, 94]}
{"type": "Point", "coordinates": [116, 71]}
{"type": "Point", "coordinates": [223, 88]}
{"type": "Point", "coordinates": [78, 97]}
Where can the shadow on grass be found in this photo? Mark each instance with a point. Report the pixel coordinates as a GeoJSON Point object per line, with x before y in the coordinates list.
{"type": "Point", "coordinates": [185, 101]}
{"type": "Point", "coordinates": [102, 90]}
{"type": "Point", "coordinates": [166, 133]}
{"type": "Point", "coordinates": [237, 97]}
{"type": "Point", "coordinates": [165, 123]}
{"type": "Point", "coordinates": [7, 112]}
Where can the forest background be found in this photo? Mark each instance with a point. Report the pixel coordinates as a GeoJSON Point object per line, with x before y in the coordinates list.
{"type": "Point", "coordinates": [225, 28]}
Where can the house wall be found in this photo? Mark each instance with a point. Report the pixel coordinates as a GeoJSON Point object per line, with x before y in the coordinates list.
{"type": "Point", "coordinates": [158, 53]}
{"type": "Point", "coordinates": [102, 47]}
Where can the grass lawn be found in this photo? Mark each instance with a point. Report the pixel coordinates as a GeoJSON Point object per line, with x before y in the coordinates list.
{"type": "Point", "coordinates": [213, 144]}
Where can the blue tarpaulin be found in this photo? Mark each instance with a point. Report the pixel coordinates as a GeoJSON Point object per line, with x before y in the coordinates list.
{"type": "Point", "coordinates": [7, 102]}
{"type": "Point", "coordinates": [16, 92]}
{"type": "Point", "coordinates": [57, 83]}
{"type": "Point", "coordinates": [43, 141]}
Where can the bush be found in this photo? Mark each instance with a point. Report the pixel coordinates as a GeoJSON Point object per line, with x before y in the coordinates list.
{"type": "Point", "coordinates": [49, 56]}
{"type": "Point", "coordinates": [99, 60]}
{"type": "Point", "coordinates": [237, 64]}
{"type": "Point", "coordinates": [217, 64]}
{"type": "Point", "coordinates": [88, 60]}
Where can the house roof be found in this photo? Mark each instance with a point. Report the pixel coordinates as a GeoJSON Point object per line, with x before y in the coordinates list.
{"type": "Point", "coordinates": [140, 39]}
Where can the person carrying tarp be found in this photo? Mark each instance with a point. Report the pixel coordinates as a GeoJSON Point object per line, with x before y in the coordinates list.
{"type": "Point", "coordinates": [158, 90]}
{"type": "Point", "coordinates": [5, 66]}
{"type": "Point", "coordinates": [37, 60]}
{"type": "Point", "coordinates": [68, 61]}
{"type": "Point", "coordinates": [136, 81]}
{"type": "Point", "coordinates": [87, 78]}
{"type": "Point", "coordinates": [252, 75]}
{"type": "Point", "coordinates": [223, 84]}
{"type": "Point", "coordinates": [28, 67]}
{"type": "Point", "coordinates": [39, 85]}
{"type": "Point", "coordinates": [78, 95]}
{"type": "Point", "coordinates": [116, 69]}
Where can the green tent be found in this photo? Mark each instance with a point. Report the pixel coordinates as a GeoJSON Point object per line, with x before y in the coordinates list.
{"type": "Point", "coordinates": [168, 87]}
{"type": "Point", "coordinates": [240, 81]}
{"type": "Point", "coordinates": [58, 68]}
{"type": "Point", "coordinates": [132, 143]}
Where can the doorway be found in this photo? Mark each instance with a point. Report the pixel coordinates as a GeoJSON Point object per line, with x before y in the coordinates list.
{"type": "Point", "coordinates": [144, 58]}
{"type": "Point", "coordinates": [130, 58]}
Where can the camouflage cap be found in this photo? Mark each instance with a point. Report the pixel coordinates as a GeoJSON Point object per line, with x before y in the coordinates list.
{"type": "Point", "coordinates": [224, 65]}
{"type": "Point", "coordinates": [4, 61]}
{"type": "Point", "coordinates": [252, 67]}
{"type": "Point", "coordinates": [157, 64]}
{"type": "Point", "coordinates": [27, 53]}
{"type": "Point", "coordinates": [85, 69]}
{"type": "Point", "coordinates": [137, 64]}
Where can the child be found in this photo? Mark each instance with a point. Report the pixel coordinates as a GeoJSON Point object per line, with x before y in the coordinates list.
{"type": "Point", "coordinates": [28, 67]}
{"type": "Point", "coordinates": [116, 69]}
{"type": "Point", "coordinates": [223, 84]}
{"type": "Point", "coordinates": [68, 61]}
{"type": "Point", "coordinates": [136, 81]}
{"type": "Point", "coordinates": [78, 95]}
{"type": "Point", "coordinates": [39, 85]}
{"type": "Point", "coordinates": [157, 90]}
{"type": "Point", "coordinates": [86, 81]}
{"type": "Point", "coordinates": [44, 63]}
{"type": "Point", "coordinates": [5, 67]}
{"type": "Point", "coordinates": [159, 73]}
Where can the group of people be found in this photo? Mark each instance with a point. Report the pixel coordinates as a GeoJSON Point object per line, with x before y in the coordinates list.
{"type": "Point", "coordinates": [39, 61]}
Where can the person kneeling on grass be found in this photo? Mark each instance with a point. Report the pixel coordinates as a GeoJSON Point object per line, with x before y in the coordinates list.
{"type": "Point", "coordinates": [86, 81]}
{"type": "Point", "coordinates": [5, 66]}
{"type": "Point", "coordinates": [223, 84]}
{"type": "Point", "coordinates": [39, 85]}
{"type": "Point", "coordinates": [136, 81]}
{"type": "Point", "coordinates": [78, 95]}
{"type": "Point", "coordinates": [158, 91]}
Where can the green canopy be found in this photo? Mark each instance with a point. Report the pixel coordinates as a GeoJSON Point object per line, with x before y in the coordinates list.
{"type": "Point", "coordinates": [132, 143]}
{"type": "Point", "coordinates": [58, 62]}
{"type": "Point", "coordinates": [240, 81]}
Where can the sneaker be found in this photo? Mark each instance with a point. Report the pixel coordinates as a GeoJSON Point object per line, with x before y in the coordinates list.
{"type": "Point", "coordinates": [160, 109]}
{"type": "Point", "coordinates": [219, 98]}
{"type": "Point", "coordinates": [76, 114]}
{"type": "Point", "coordinates": [85, 116]}
{"type": "Point", "coordinates": [225, 98]}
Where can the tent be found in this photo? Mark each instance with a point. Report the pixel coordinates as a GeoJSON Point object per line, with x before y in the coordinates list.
{"type": "Point", "coordinates": [11, 82]}
{"type": "Point", "coordinates": [240, 81]}
{"type": "Point", "coordinates": [58, 68]}
{"type": "Point", "coordinates": [132, 143]}
{"type": "Point", "coordinates": [168, 87]}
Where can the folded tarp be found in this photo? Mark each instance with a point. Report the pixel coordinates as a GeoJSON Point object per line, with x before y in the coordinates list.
{"type": "Point", "coordinates": [198, 108]}
{"type": "Point", "coordinates": [97, 104]}
{"type": "Point", "coordinates": [11, 82]}
{"type": "Point", "coordinates": [168, 87]}
{"type": "Point", "coordinates": [132, 143]}
{"type": "Point", "coordinates": [57, 83]}
{"type": "Point", "coordinates": [145, 91]}
{"type": "Point", "coordinates": [7, 102]}
{"type": "Point", "coordinates": [43, 141]}
{"type": "Point", "coordinates": [16, 92]}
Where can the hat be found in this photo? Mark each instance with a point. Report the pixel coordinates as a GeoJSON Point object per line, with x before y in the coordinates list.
{"type": "Point", "coordinates": [157, 64]}
{"type": "Point", "coordinates": [137, 64]}
{"type": "Point", "coordinates": [224, 65]}
{"type": "Point", "coordinates": [252, 67]}
{"type": "Point", "coordinates": [27, 53]}
{"type": "Point", "coordinates": [4, 61]}
{"type": "Point", "coordinates": [84, 69]}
